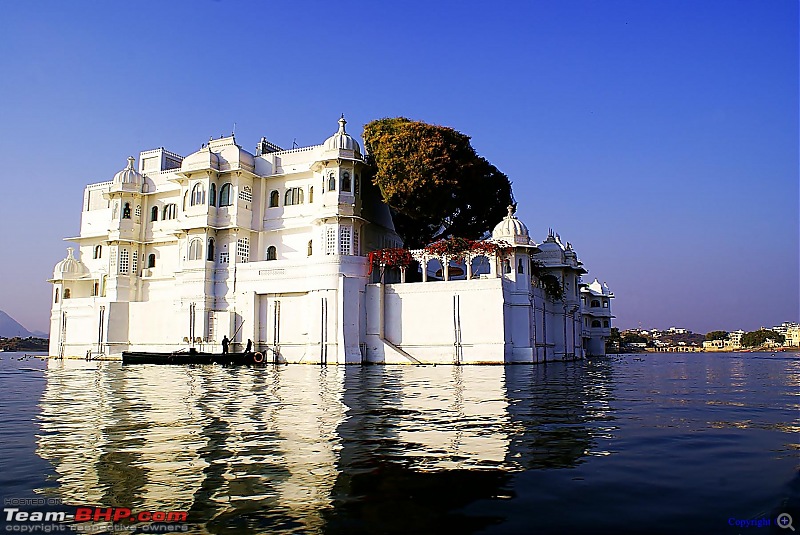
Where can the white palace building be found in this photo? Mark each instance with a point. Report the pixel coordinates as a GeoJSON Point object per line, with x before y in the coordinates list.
{"type": "Point", "coordinates": [176, 253]}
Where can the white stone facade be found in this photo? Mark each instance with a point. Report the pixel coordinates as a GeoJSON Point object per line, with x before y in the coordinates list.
{"type": "Point", "coordinates": [272, 247]}
{"type": "Point", "coordinates": [596, 306]}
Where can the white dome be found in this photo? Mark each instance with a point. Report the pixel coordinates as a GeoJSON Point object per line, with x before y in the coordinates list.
{"type": "Point", "coordinates": [202, 159]}
{"type": "Point", "coordinates": [70, 268]}
{"type": "Point", "coordinates": [550, 246]}
{"type": "Point", "coordinates": [341, 140]}
{"type": "Point", "coordinates": [129, 175]}
{"type": "Point", "coordinates": [234, 157]}
{"type": "Point", "coordinates": [512, 230]}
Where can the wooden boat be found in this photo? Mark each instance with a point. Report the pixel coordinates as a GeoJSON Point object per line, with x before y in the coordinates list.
{"type": "Point", "coordinates": [194, 357]}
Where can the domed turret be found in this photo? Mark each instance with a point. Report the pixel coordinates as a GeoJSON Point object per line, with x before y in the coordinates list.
{"type": "Point", "coordinates": [129, 175]}
{"type": "Point", "coordinates": [202, 159]}
{"type": "Point", "coordinates": [341, 140]}
{"type": "Point", "coordinates": [70, 268]}
{"type": "Point", "coordinates": [232, 156]}
{"type": "Point", "coordinates": [511, 229]}
{"type": "Point", "coordinates": [552, 243]}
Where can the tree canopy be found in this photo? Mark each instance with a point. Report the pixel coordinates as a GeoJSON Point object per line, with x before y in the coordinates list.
{"type": "Point", "coordinates": [758, 338]}
{"type": "Point", "coordinates": [434, 181]}
{"type": "Point", "coordinates": [717, 335]}
{"type": "Point", "coordinates": [634, 338]}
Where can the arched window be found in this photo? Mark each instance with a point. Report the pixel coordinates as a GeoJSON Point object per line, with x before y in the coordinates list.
{"type": "Point", "coordinates": [605, 323]}
{"type": "Point", "coordinates": [595, 323]}
{"type": "Point", "coordinates": [198, 194]}
{"type": "Point", "coordinates": [331, 182]}
{"type": "Point", "coordinates": [154, 213]}
{"type": "Point", "coordinates": [210, 255]}
{"type": "Point", "coordinates": [225, 194]}
{"type": "Point", "coordinates": [605, 303]}
{"type": "Point", "coordinates": [95, 289]}
{"type": "Point", "coordinates": [151, 261]}
{"type": "Point", "coordinates": [346, 181]}
{"type": "Point", "coordinates": [595, 303]}
{"type": "Point", "coordinates": [212, 195]}
{"type": "Point", "coordinates": [310, 247]}
{"type": "Point", "coordinates": [480, 266]}
{"type": "Point", "coordinates": [272, 253]}
{"type": "Point", "coordinates": [310, 194]}
{"type": "Point", "coordinates": [66, 293]}
{"type": "Point", "coordinates": [273, 198]}
{"type": "Point", "coordinates": [195, 250]}
{"type": "Point", "coordinates": [170, 211]}
{"type": "Point", "coordinates": [293, 196]}
{"type": "Point", "coordinates": [55, 299]}
{"type": "Point", "coordinates": [519, 267]}
{"type": "Point", "coordinates": [185, 200]}
{"type": "Point", "coordinates": [506, 266]}
{"type": "Point", "coordinates": [98, 251]}
{"type": "Point", "coordinates": [126, 211]}
{"type": "Point", "coordinates": [357, 184]}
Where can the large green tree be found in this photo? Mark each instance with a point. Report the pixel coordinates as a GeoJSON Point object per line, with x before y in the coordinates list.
{"type": "Point", "coordinates": [434, 181]}
{"type": "Point", "coordinates": [717, 335]}
{"type": "Point", "coordinates": [759, 337]}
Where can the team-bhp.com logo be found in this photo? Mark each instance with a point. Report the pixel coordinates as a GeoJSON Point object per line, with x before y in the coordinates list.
{"type": "Point", "coordinates": [54, 521]}
{"type": "Point", "coordinates": [122, 514]}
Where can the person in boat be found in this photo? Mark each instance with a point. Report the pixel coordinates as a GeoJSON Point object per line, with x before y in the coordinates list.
{"type": "Point", "coordinates": [249, 347]}
{"type": "Point", "coordinates": [225, 343]}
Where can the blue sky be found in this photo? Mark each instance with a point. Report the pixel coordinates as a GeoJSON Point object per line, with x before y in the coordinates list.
{"type": "Point", "coordinates": [659, 137]}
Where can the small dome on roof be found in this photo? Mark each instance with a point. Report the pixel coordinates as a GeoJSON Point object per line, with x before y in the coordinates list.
{"type": "Point", "coordinates": [129, 175]}
{"type": "Point", "coordinates": [341, 140]}
{"type": "Point", "coordinates": [70, 268]}
{"type": "Point", "coordinates": [511, 229]}
{"type": "Point", "coordinates": [236, 157]}
{"type": "Point", "coordinates": [552, 244]}
{"type": "Point", "coordinates": [202, 159]}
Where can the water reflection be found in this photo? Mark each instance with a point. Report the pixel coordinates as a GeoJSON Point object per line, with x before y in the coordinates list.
{"type": "Point", "coordinates": [309, 449]}
{"type": "Point", "coordinates": [597, 446]}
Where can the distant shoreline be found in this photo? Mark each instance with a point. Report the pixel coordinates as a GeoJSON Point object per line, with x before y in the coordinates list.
{"type": "Point", "coordinates": [31, 343]}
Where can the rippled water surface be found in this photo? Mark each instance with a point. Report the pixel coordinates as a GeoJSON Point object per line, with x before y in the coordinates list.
{"type": "Point", "coordinates": [656, 443]}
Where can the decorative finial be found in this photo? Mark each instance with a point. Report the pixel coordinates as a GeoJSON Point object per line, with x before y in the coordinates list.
{"type": "Point", "coordinates": [69, 253]}
{"type": "Point", "coordinates": [342, 122]}
{"type": "Point", "coordinates": [511, 210]}
{"type": "Point", "coordinates": [131, 160]}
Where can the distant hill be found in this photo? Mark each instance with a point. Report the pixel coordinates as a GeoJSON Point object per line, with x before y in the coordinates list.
{"type": "Point", "coordinates": [9, 327]}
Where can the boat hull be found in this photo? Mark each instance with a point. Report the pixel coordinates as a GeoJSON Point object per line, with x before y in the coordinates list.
{"type": "Point", "coordinates": [193, 357]}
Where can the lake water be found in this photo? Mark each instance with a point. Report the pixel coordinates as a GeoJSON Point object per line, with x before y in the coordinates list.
{"type": "Point", "coordinates": [650, 443]}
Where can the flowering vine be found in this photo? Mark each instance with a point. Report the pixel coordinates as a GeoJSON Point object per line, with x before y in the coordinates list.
{"type": "Point", "coordinates": [391, 257]}
{"type": "Point", "coordinates": [457, 248]}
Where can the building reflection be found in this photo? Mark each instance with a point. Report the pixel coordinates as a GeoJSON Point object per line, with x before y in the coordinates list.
{"type": "Point", "coordinates": [308, 449]}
